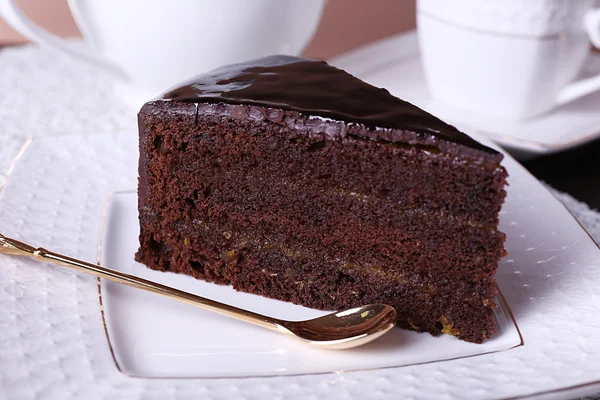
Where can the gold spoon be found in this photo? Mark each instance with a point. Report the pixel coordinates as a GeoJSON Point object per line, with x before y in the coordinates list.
{"type": "Point", "coordinates": [340, 330]}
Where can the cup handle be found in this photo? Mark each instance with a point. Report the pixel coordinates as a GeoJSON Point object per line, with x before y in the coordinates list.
{"type": "Point", "coordinates": [13, 15]}
{"type": "Point", "coordinates": [586, 86]}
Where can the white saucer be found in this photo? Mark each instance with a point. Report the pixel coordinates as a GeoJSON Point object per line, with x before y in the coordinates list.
{"type": "Point", "coordinates": [395, 64]}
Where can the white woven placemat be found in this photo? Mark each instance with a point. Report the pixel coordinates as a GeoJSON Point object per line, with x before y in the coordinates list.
{"type": "Point", "coordinates": [45, 93]}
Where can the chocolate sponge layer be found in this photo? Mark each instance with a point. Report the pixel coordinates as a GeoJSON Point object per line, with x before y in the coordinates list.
{"type": "Point", "coordinates": [322, 213]}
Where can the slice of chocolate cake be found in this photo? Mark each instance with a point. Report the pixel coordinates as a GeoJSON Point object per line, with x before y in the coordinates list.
{"type": "Point", "coordinates": [292, 179]}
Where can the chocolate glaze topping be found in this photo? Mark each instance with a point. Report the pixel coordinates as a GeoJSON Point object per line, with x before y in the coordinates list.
{"type": "Point", "coordinates": [314, 88]}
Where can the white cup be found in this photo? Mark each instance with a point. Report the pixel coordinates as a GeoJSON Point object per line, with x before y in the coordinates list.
{"type": "Point", "coordinates": [153, 44]}
{"type": "Point", "coordinates": [513, 59]}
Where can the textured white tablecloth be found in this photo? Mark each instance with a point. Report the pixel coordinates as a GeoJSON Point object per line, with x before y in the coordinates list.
{"type": "Point", "coordinates": [44, 93]}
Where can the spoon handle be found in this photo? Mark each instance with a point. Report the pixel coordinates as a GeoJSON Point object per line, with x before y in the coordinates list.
{"type": "Point", "coordinates": [18, 248]}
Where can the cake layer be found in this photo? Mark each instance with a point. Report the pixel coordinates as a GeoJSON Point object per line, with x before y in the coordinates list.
{"type": "Point", "coordinates": [212, 245]}
{"type": "Point", "coordinates": [410, 174]}
{"type": "Point", "coordinates": [452, 308]}
{"type": "Point", "coordinates": [406, 251]}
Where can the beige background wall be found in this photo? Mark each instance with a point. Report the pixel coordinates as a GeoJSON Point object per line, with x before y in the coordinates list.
{"type": "Point", "coordinates": [345, 24]}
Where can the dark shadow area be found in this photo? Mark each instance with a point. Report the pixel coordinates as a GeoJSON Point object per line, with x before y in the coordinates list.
{"type": "Point", "coordinates": [575, 171]}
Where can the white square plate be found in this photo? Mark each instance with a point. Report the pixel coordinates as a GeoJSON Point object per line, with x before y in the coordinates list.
{"type": "Point", "coordinates": [157, 337]}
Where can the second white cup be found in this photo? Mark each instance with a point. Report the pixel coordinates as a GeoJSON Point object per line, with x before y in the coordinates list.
{"type": "Point", "coordinates": [513, 59]}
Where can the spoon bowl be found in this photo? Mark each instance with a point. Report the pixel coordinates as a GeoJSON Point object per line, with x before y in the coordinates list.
{"type": "Point", "coordinates": [345, 329]}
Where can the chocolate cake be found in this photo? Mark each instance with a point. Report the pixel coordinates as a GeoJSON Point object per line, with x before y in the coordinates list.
{"type": "Point", "coordinates": [292, 179]}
